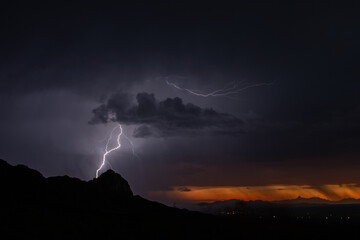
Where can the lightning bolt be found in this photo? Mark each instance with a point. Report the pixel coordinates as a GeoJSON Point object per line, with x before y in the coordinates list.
{"type": "Point", "coordinates": [132, 147]}
{"type": "Point", "coordinates": [108, 151]}
{"type": "Point", "coordinates": [228, 89]}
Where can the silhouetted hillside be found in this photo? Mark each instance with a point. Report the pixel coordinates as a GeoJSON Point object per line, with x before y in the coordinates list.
{"type": "Point", "coordinates": [35, 207]}
{"type": "Point", "coordinates": [61, 207]}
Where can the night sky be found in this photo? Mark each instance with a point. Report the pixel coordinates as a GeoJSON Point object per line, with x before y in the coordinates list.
{"type": "Point", "coordinates": [71, 73]}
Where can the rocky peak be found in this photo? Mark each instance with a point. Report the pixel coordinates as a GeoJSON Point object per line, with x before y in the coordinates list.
{"type": "Point", "coordinates": [114, 183]}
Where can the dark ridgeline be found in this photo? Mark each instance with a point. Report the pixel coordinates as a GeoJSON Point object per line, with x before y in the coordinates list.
{"type": "Point", "coordinates": [35, 207]}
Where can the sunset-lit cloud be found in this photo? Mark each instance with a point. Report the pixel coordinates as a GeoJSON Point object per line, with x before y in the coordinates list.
{"type": "Point", "coordinates": [266, 193]}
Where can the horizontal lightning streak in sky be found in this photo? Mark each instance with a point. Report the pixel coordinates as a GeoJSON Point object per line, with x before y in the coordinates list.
{"type": "Point", "coordinates": [229, 89]}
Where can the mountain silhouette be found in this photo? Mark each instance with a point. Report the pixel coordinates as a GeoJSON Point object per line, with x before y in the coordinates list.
{"type": "Point", "coordinates": [33, 206]}
{"type": "Point", "coordinates": [112, 183]}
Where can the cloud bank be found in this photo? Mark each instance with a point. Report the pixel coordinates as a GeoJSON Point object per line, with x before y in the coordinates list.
{"type": "Point", "coordinates": [170, 117]}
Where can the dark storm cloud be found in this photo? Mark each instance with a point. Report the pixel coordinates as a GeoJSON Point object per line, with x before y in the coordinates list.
{"type": "Point", "coordinates": [314, 132]}
{"type": "Point", "coordinates": [164, 118]}
{"type": "Point", "coordinates": [145, 131]}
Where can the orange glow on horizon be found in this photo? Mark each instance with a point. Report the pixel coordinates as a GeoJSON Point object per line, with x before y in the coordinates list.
{"type": "Point", "coordinates": [265, 193]}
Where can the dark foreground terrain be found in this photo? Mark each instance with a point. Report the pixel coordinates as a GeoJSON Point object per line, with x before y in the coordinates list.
{"type": "Point", "coordinates": [35, 207]}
